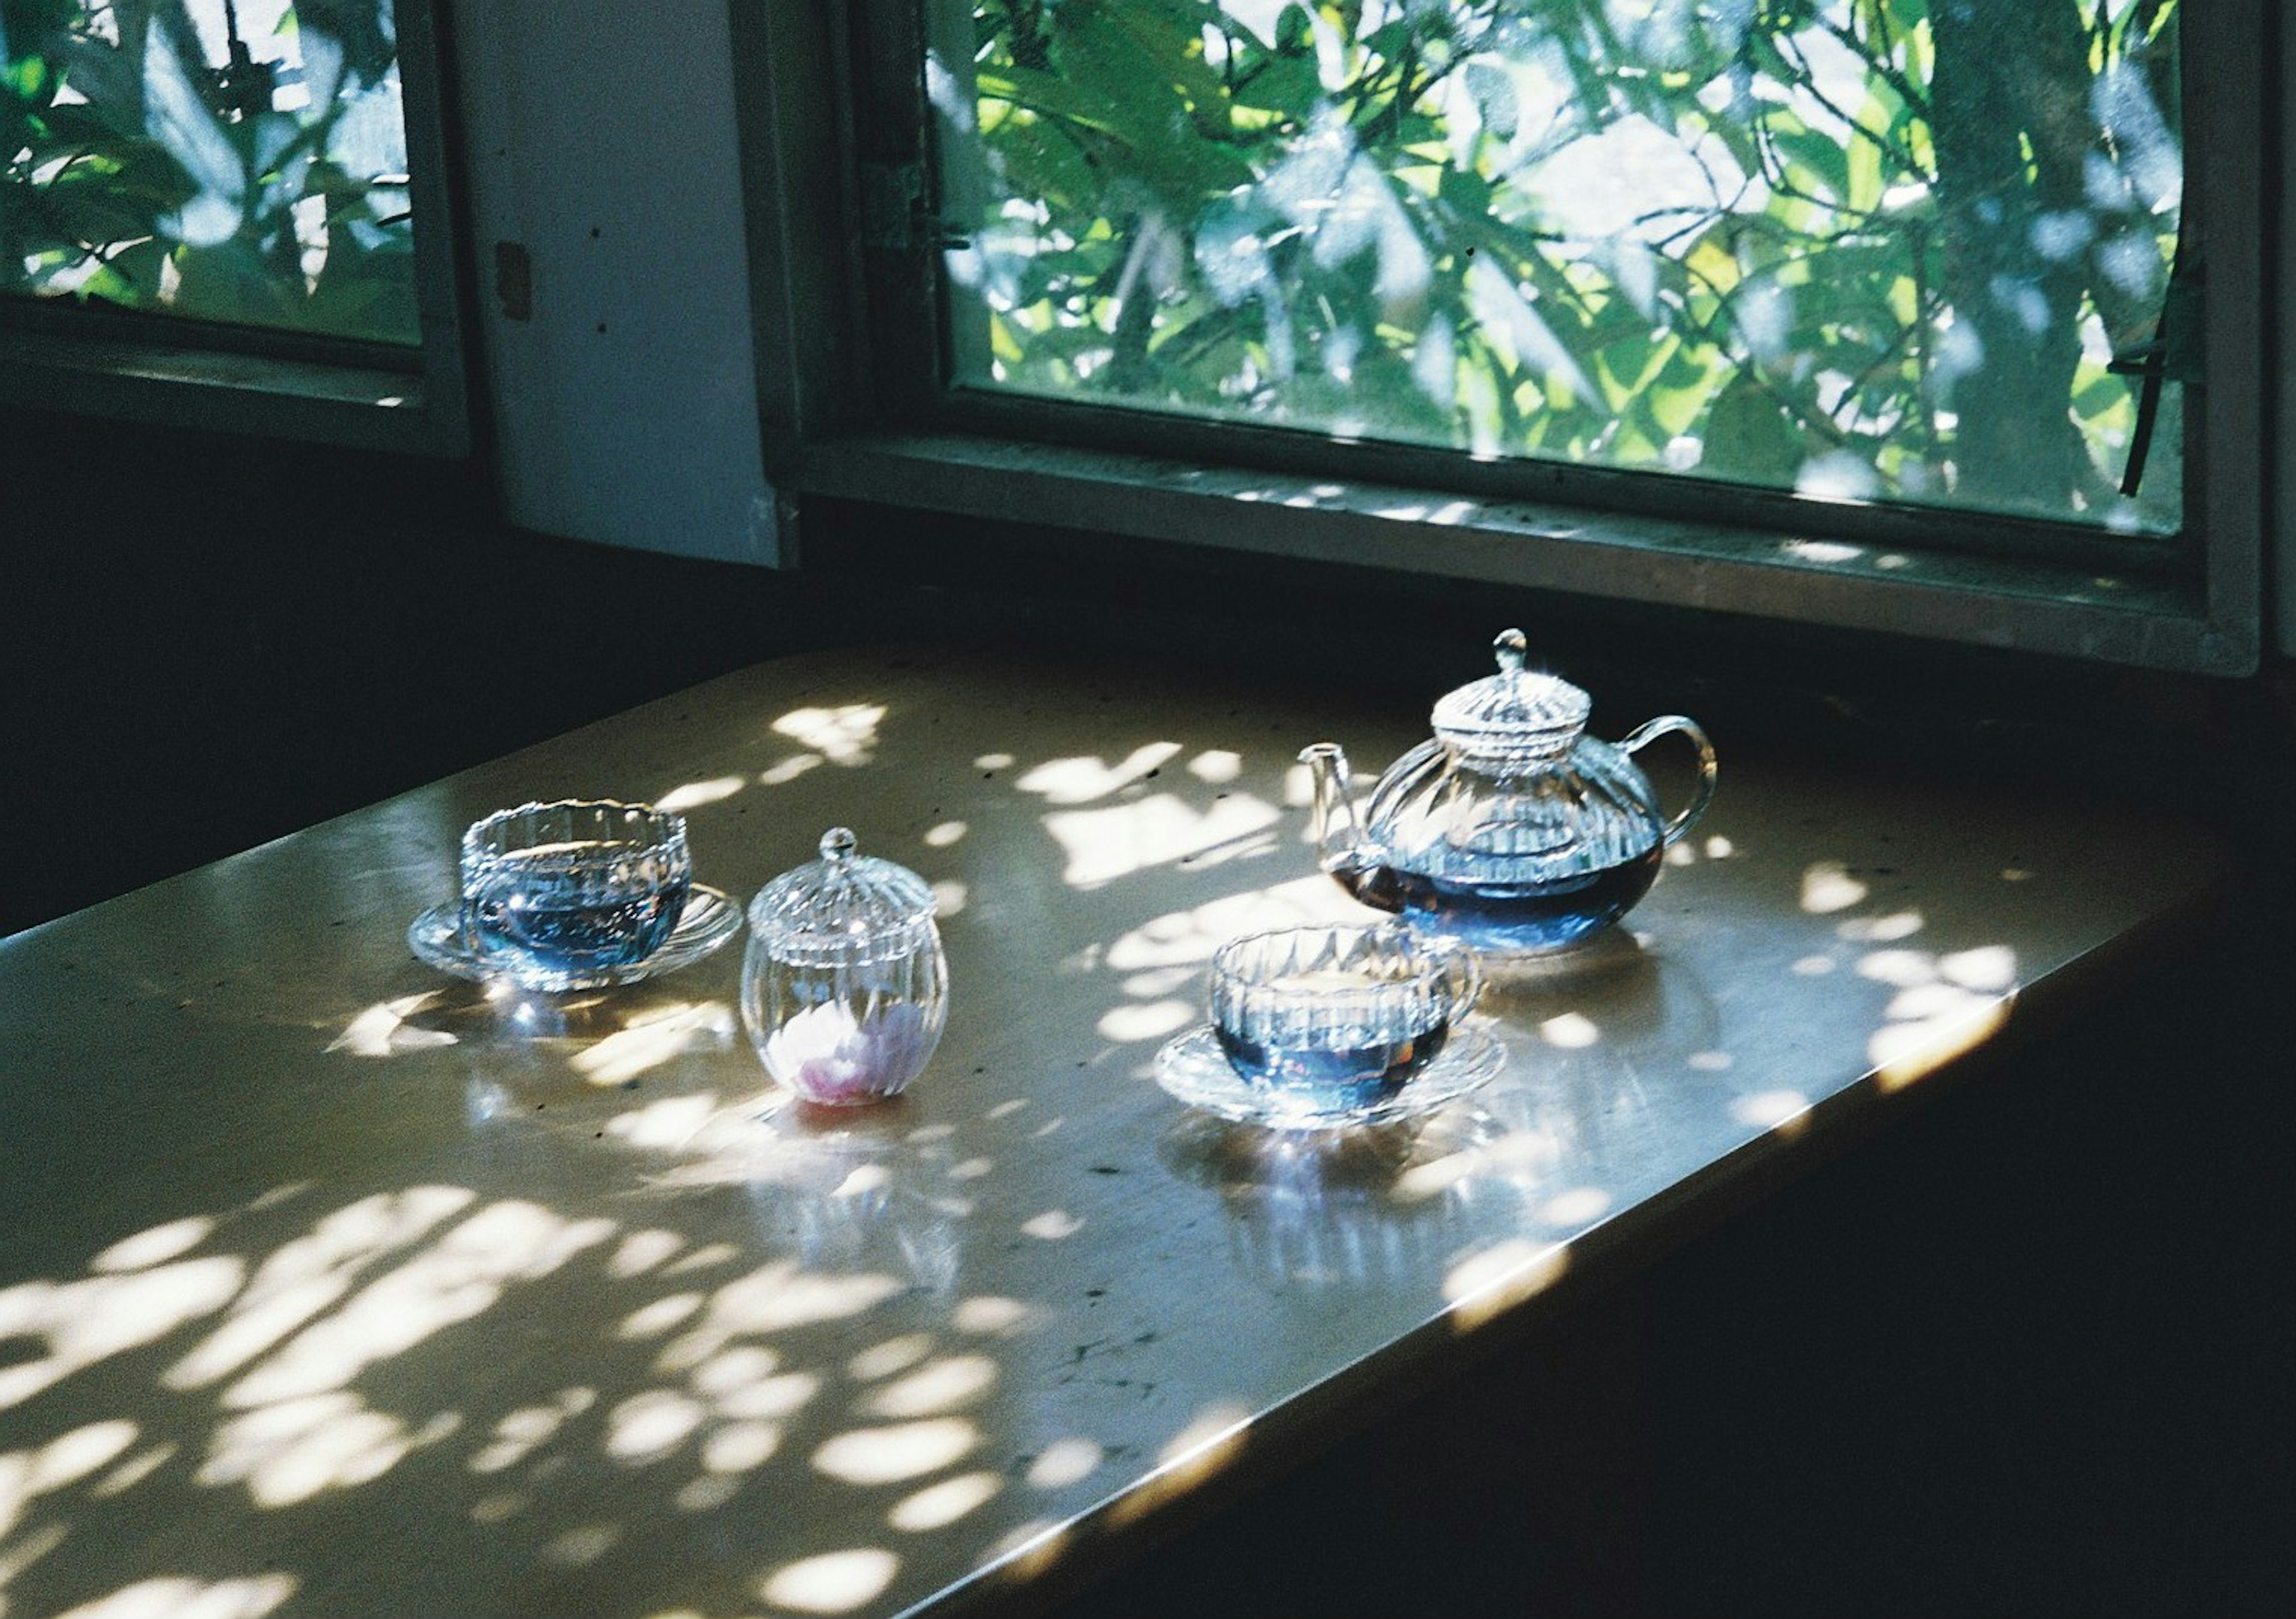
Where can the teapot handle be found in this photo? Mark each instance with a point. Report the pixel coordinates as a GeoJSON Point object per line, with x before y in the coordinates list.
{"type": "Point", "coordinates": [1699, 799]}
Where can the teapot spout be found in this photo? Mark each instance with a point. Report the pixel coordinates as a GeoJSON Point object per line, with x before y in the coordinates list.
{"type": "Point", "coordinates": [1341, 847]}
{"type": "Point", "coordinates": [1337, 831]}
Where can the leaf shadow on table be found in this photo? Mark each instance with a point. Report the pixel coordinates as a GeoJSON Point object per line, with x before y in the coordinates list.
{"type": "Point", "coordinates": [600, 1404]}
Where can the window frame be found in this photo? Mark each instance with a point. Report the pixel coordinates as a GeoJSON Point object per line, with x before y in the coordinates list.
{"type": "Point", "coordinates": [167, 370]}
{"type": "Point", "coordinates": [837, 167]}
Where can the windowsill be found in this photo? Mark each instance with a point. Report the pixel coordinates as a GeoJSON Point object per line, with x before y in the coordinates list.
{"type": "Point", "coordinates": [2030, 606]}
{"type": "Point", "coordinates": [186, 385]}
{"type": "Point", "coordinates": [1104, 1275]}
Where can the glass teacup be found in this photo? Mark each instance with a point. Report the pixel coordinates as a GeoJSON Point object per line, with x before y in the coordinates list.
{"type": "Point", "coordinates": [560, 895]}
{"type": "Point", "coordinates": [1339, 1018]}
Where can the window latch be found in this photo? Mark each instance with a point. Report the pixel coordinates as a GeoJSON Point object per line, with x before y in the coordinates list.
{"type": "Point", "coordinates": [893, 212]}
{"type": "Point", "coordinates": [2171, 355]}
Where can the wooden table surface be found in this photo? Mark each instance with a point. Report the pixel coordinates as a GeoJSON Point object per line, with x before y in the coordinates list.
{"type": "Point", "coordinates": [333, 1287]}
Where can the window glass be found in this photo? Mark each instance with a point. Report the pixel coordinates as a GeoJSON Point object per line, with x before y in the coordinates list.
{"type": "Point", "coordinates": [232, 160]}
{"type": "Point", "coordinates": [1909, 250]}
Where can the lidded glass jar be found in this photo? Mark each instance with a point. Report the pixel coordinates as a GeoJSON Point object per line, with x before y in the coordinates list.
{"type": "Point", "coordinates": [844, 986]}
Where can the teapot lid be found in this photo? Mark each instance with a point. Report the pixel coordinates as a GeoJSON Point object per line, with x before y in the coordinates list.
{"type": "Point", "coordinates": [843, 908]}
{"type": "Point", "coordinates": [1517, 714]}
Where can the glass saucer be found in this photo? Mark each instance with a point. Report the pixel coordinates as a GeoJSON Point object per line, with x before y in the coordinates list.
{"type": "Point", "coordinates": [1193, 1068]}
{"type": "Point", "coordinates": [710, 918]}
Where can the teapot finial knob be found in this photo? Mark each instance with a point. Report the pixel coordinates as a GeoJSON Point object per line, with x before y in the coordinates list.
{"type": "Point", "coordinates": [1513, 646]}
{"type": "Point", "coordinates": [837, 845]}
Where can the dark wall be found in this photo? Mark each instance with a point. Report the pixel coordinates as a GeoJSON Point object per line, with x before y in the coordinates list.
{"type": "Point", "coordinates": [209, 641]}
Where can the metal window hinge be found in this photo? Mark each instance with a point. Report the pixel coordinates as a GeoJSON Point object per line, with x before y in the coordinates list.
{"type": "Point", "coordinates": [893, 213]}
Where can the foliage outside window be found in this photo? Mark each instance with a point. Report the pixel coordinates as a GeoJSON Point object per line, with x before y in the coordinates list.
{"type": "Point", "coordinates": [241, 161]}
{"type": "Point", "coordinates": [1909, 250]}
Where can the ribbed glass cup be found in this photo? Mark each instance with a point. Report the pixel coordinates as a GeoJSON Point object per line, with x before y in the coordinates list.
{"type": "Point", "coordinates": [1340, 1016]}
{"type": "Point", "coordinates": [557, 894]}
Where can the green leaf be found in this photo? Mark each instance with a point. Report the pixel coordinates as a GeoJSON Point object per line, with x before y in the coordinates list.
{"type": "Point", "coordinates": [1622, 368]}
{"type": "Point", "coordinates": [1683, 388]}
{"type": "Point", "coordinates": [1815, 161]}
{"type": "Point", "coordinates": [1295, 30]}
{"type": "Point", "coordinates": [1289, 84]}
{"type": "Point", "coordinates": [1749, 437]}
{"type": "Point", "coordinates": [2104, 395]}
{"type": "Point", "coordinates": [1044, 93]}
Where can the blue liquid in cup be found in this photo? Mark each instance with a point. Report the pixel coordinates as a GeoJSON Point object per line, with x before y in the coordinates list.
{"type": "Point", "coordinates": [576, 907]}
{"type": "Point", "coordinates": [1356, 1069]}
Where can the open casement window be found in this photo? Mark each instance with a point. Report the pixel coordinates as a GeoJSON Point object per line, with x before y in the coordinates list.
{"type": "Point", "coordinates": [1935, 317]}
{"type": "Point", "coordinates": [228, 213]}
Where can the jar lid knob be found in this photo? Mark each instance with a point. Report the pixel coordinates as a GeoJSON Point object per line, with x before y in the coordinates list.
{"type": "Point", "coordinates": [1513, 647]}
{"type": "Point", "coordinates": [837, 845]}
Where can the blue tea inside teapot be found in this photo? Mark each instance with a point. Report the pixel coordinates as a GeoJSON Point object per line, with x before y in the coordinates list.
{"type": "Point", "coordinates": [1517, 919]}
{"type": "Point", "coordinates": [1512, 828]}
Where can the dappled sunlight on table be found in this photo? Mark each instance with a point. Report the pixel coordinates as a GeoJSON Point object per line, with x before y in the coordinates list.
{"type": "Point", "coordinates": [1143, 830]}
{"type": "Point", "coordinates": [1083, 779]}
{"type": "Point", "coordinates": [77, 1324]}
{"type": "Point", "coordinates": [692, 795]}
{"type": "Point", "coordinates": [316, 1257]}
{"type": "Point", "coordinates": [832, 1581]}
{"type": "Point", "coordinates": [1162, 829]}
{"type": "Point", "coordinates": [939, 1505]}
{"type": "Point", "coordinates": [187, 1599]}
{"type": "Point", "coordinates": [285, 1335]}
{"type": "Point", "coordinates": [1211, 1440]}
{"type": "Point", "coordinates": [844, 735]}
{"type": "Point", "coordinates": [646, 1044]}
{"type": "Point", "coordinates": [1492, 1280]}
{"type": "Point", "coordinates": [384, 1028]}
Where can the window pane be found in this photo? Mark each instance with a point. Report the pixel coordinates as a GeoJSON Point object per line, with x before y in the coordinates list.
{"type": "Point", "coordinates": [1915, 250]}
{"type": "Point", "coordinates": [234, 160]}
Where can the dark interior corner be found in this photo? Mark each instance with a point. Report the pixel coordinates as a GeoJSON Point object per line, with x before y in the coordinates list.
{"type": "Point", "coordinates": [2030, 1355]}
{"type": "Point", "coordinates": [2026, 1357]}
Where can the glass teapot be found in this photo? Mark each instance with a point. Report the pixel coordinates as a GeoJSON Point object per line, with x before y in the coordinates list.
{"type": "Point", "coordinates": [1511, 828]}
